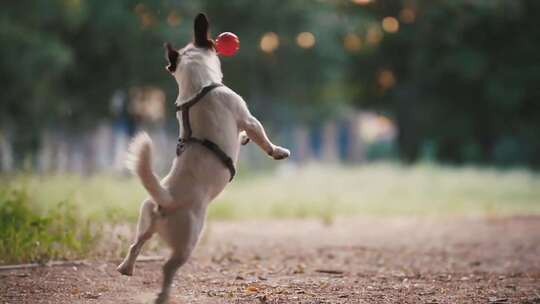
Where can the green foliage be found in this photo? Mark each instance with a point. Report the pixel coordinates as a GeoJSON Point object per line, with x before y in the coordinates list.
{"type": "Point", "coordinates": [467, 75]}
{"type": "Point", "coordinates": [63, 60]}
{"type": "Point", "coordinates": [27, 235]}
{"type": "Point", "coordinates": [466, 72]}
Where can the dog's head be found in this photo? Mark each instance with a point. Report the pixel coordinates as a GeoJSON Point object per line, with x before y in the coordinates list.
{"type": "Point", "coordinates": [196, 64]}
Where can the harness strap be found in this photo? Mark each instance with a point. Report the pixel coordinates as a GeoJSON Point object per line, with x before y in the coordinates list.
{"type": "Point", "coordinates": [187, 105]}
{"type": "Point", "coordinates": [212, 146]}
{"type": "Point", "coordinates": [187, 131]}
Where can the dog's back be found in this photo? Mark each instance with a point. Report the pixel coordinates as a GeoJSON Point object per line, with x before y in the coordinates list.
{"type": "Point", "coordinates": [214, 118]}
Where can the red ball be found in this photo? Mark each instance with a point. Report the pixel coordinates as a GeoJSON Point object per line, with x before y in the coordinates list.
{"type": "Point", "coordinates": [227, 44]}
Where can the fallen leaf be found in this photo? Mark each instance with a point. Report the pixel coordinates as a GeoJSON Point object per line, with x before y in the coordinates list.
{"type": "Point", "coordinates": [252, 288]}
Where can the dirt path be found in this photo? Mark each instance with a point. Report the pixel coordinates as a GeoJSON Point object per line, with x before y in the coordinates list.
{"type": "Point", "coordinates": [361, 260]}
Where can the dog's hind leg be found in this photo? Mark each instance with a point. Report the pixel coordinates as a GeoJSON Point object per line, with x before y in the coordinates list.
{"type": "Point", "coordinates": [145, 230]}
{"type": "Point", "coordinates": [169, 270]}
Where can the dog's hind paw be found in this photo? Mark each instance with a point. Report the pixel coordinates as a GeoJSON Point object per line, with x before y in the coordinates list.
{"type": "Point", "coordinates": [125, 270]}
{"type": "Point", "coordinates": [162, 298]}
{"type": "Point", "coordinates": [280, 153]}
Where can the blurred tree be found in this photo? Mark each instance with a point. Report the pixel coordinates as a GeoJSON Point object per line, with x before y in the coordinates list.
{"type": "Point", "coordinates": [32, 61]}
{"type": "Point", "coordinates": [459, 76]}
{"type": "Point", "coordinates": [463, 78]}
{"type": "Point", "coordinates": [64, 59]}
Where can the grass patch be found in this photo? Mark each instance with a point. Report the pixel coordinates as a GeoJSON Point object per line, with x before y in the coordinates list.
{"type": "Point", "coordinates": [377, 189]}
{"type": "Point", "coordinates": [29, 235]}
{"type": "Point", "coordinates": [34, 226]}
{"type": "Point", "coordinates": [382, 189]}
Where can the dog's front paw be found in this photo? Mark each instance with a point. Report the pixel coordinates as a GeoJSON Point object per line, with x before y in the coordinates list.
{"type": "Point", "coordinates": [280, 153]}
{"type": "Point", "coordinates": [244, 140]}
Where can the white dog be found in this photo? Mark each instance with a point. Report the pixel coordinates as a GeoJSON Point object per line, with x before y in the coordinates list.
{"type": "Point", "coordinates": [213, 119]}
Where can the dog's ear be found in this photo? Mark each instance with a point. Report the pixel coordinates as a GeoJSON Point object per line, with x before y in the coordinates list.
{"type": "Point", "coordinates": [172, 57]}
{"type": "Point", "coordinates": [201, 35]}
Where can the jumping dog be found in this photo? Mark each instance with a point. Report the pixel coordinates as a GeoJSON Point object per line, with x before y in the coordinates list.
{"type": "Point", "coordinates": [214, 122]}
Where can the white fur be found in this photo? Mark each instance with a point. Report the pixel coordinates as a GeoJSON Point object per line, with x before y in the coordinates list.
{"type": "Point", "coordinates": [197, 176]}
{"type": "Point", "coordinates": [139, 162]}
{"type": "Point", "coordinates": [197, 68]}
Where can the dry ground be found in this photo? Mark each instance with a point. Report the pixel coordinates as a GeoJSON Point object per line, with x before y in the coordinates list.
{"type": "Point", "coordinates": [361, 260]}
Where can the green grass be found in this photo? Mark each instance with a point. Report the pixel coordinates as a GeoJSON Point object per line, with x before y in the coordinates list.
{"type": "Point", "coordinates": [102, 197]}
{"type": "Point", "coordinates": [376, 189]}
{"type": "Point", "coordinates": [27, 234]}
{"type": "Point", "coordinates": [50, 217]}
{"type": "Point", "coordinates": [381, 190]}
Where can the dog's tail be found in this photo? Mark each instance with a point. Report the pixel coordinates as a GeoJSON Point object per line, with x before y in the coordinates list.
{"type": "Point", "coordinates": [139, 161]}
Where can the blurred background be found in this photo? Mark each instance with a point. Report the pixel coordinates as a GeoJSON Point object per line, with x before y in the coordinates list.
{"type": "Point", "coordinates": [402, 107]}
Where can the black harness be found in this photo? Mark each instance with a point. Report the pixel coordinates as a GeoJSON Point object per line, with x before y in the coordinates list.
{"type": "Point", "coordinates": [187, 137]}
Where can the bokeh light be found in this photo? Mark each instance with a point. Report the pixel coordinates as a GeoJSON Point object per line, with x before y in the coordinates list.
{"type": "Point", "coordinates": [269, 42]}
{"type": "Point", "coordinates": [361, 2]}
{"type": "Point", "coordinates": [305, 40]}
{"type": "Point", "coordinates": [352, 42]}
{"type": "Point", "coordinates": [407, 15]}
{"type": "Point", "coordinates": [386, 79]}
{"type": "Point", "coordinates": [390, 24]}
{"type": "Point", "coordinates": [173, 19]}
{"type": "Point", "coordinates": [375, 127]}
{"type": "Point", "coordinates": [146, 18]}
{"type": "Point", "coordinates": [374, 35]}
